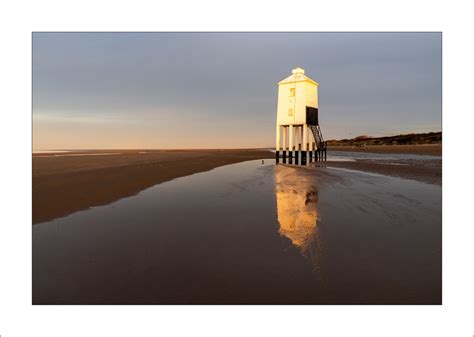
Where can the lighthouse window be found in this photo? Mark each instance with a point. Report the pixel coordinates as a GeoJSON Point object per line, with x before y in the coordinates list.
{"type": "Point", "coordinates": [292, 92]}
{"type": "Point", "coordinates": [290, 112]}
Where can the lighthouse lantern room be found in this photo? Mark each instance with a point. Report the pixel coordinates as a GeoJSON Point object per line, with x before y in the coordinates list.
{"type": "Point", "coordinates": [298, 135]}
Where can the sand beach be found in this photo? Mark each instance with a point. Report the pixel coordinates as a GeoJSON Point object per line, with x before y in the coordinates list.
{"type": "Point", "coordinates": [67, 182]}
{"type": "Point", "coordinates": [249, 233]}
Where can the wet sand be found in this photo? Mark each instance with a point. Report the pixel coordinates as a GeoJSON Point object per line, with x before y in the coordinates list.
{"type": "Point", "coordinates": [249, 234]}
{"type": "Point", "coordinates": [428, 149]}
{"type": "Point", "coordinates": [64, 183]}
{"type": "Point", "coordinates": [427, 171]}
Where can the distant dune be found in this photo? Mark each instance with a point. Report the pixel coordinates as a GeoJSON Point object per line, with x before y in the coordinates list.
{"type": "Point", "coordinates": [408, 139]}
{"type": "Point", "coordinates": [413, 143]}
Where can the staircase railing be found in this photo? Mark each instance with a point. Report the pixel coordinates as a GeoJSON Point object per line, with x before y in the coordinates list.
{"type": "Point", "coordinates": [318, 137]}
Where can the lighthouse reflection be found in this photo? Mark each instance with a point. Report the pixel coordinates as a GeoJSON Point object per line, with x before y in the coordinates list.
{"type": "Point", "coordinates": [297, 198]}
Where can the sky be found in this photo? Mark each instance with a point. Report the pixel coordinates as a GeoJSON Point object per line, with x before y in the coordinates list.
{"type": "Point", "coordinates": [219, 90]}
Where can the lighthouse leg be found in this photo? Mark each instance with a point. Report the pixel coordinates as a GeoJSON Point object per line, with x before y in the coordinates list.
{"type": "Point", "coordinates": [305, 144]}
{"type": "Point", "coordinates": [297, 144]}
{"type": "Point", "coordinates": [291, 143]}
{"type": "Point", "coordinates": [285, 139]}
{"type": "Point", "coordinates": [300, 143]}
{"type": "Point", "coordinates": [277, 145]}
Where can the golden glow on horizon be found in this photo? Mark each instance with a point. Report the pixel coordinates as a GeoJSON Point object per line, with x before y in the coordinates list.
{"type": "Point", "coordinates": [151, 134]}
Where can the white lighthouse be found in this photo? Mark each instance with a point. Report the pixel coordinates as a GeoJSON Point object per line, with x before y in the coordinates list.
{"type": "Point", "coordinates": [297, 126]}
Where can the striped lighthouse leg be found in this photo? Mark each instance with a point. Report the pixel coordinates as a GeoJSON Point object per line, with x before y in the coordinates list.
{"type": "Point", "coordinates": [291, 144]}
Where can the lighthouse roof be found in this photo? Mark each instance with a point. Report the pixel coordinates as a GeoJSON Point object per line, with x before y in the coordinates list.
{"type": "Point", "coordinates": [297, 76]}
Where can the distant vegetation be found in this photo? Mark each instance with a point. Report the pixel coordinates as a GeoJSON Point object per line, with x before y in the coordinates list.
{"type": "Point", "coordinates": [409, 139]}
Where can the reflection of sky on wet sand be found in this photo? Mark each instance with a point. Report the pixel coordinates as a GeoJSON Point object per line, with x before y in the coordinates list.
{"type": "Point", "coordinates": [297, 197]}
